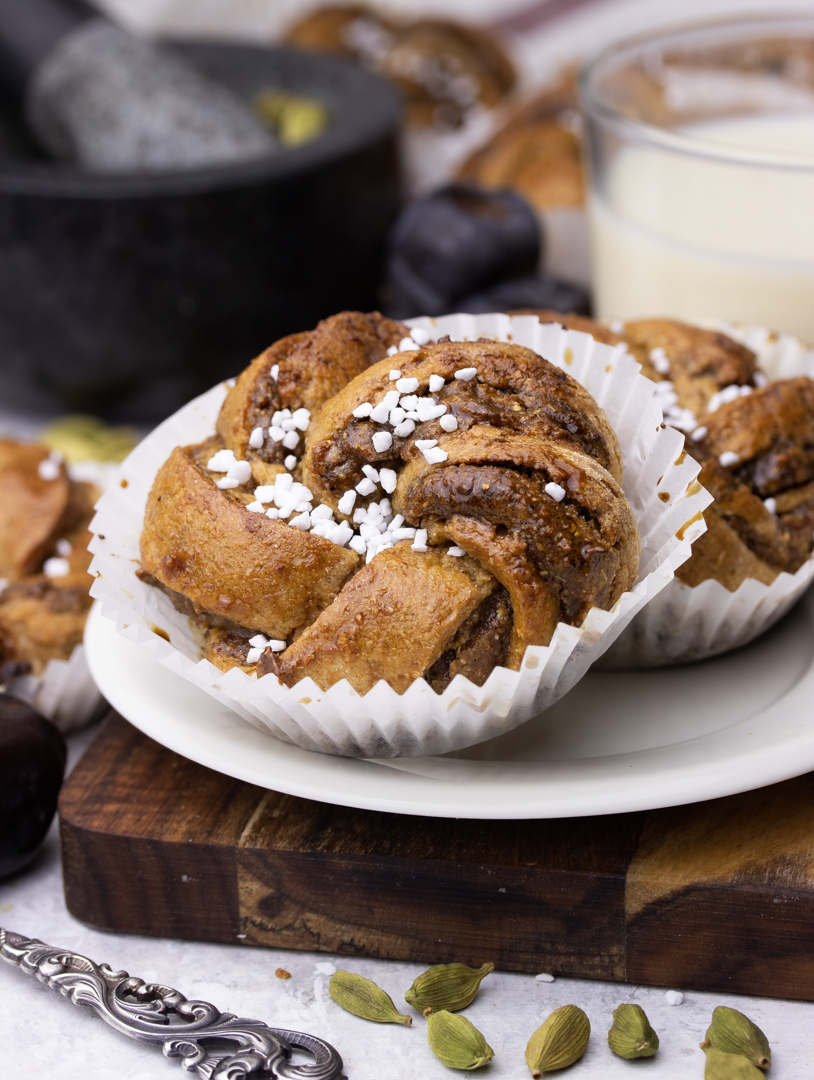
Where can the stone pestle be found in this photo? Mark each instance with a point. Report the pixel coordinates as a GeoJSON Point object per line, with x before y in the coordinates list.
{"type": "Point", "coordinates": [98, 97]}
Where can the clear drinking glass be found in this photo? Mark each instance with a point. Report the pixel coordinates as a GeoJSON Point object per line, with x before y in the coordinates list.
{"type": "Point", "coordinates": [701, 153]}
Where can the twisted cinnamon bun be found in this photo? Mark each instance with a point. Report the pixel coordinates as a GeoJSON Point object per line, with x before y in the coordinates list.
{"type": "Point", "coordinates": [753, 438]}
{"type": "Point", "coordinates": [447, 505]}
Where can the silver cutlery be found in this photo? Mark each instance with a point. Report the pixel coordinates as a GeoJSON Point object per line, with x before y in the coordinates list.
{"type": "Point", "coordinates": [214, 1044]}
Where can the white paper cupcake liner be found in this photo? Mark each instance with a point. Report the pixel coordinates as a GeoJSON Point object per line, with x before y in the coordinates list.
{"type": "Point", "coordinates": [780, 356]}
{"type": "Point", "coordinates": [659, 482]}
{"type": "Point", "coordinates": [65, 692]}
{"type": "Point", "coordinates": [685, 623]}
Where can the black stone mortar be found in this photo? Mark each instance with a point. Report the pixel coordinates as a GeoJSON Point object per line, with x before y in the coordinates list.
{"type": "Point", "coordinates": [127, 295]}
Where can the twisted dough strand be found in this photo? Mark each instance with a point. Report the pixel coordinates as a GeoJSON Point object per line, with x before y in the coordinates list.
{"type": "Point", "coordinates": [523, 426]}
{"type": "Point", "coordinates": [556, 559]}
{"type": "Point", "coordinates": [525, 519]}
{"type": "Point", "coordinates": [515, 390]}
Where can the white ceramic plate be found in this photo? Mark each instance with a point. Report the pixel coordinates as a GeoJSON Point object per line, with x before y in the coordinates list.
{"type": "Point", "coordinates": [619, 741]}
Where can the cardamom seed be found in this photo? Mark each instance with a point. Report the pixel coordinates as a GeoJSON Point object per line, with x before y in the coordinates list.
{"type": "Point", "coordinates": [723, 1066]}
{"type": "Point", "coordinates": [558, 1042]}
{"type": "Point", "coordinates": [735, 1033]}
{"type": "Point", "coordinates": [631, 1035]}
{"type": "Point", "coordinates": [364, 998]}
{"type": "Point", "coordinates": [456, 1042]}
{"type": "Point", "coordinates": [446, 986]}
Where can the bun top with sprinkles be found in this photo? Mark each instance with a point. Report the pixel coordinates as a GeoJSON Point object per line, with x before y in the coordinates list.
{"type": "Point", "coordinates": [378, 506]}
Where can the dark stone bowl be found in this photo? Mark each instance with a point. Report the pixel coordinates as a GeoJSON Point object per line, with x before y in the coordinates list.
{"type": "Point", "coordinates": [127, 295]}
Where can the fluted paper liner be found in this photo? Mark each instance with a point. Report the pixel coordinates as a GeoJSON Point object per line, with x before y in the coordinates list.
{"type": "Point", "coordinates": [65, 691]}
{"type": "Point", "coordinates": [685, 623]}
{"type": "Point", "coordinates": [659, 482]}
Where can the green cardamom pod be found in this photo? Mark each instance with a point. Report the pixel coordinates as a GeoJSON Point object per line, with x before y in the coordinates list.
{"type": "Point", "coordinates": [364, 998]}
{"type": "Point", "coordinates": [735, 1033]}
{"type": "Point", "coordinates": [446, 986]}
{"type": "Point", "coordinates": [456, 1042]}
{"type": "Point", "coordinates": [559, 1042]}
{"type": "Point", "coordinates": [631, 1035]}
{"type": "Point", "coordinates": [723, 1066]}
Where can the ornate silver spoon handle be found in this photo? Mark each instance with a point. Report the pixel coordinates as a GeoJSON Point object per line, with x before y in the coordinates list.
{"type": "Point", "coordinates": [216, 1045]}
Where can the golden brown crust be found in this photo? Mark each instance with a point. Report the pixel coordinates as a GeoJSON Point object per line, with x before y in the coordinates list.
{"type": "Point", "coordinates": [770, 429]}
{"type": "Point", "coordinates": [396, 616]}
{"type": "Point", "coordinates": [457, 50]}
{"type": "Point", "coordinates": [228, 648]}
{"type": "Point", "coordinates": [242, 566]}
{"type": "Point", "coordinates": [541, 160]}
{"type": "Point", "coordinates": [702, 362]}
{"type": "Point", "coordinates": [772, 432]}
{"type": "Point", "coordinates": [536, 152]}
{"type": "Point", "coordinates": [721, 554]}
{"type": "Point", "coordinates": [423, 58]}
{"type": "Point", "coordinates": [480, 644]}
{"type": "Point", "coordinates": [556, 559]}
{"type": "Point", "coordinates": [325, 30]}
{"type": "Point", "coordinates": [33, 511]}
{"type": "Point", "coordinates": [522, 424]}
{"type": "Point", "coordinates": [42, 619]}
{"type": "Point", "coordinates": [743, 538]}
{"type": "Point", "coordinates": [529, 490]}
{"type": "Point", "coordinates": [515, 390]}
{"type": "Point", "coordinates": [313, 366]}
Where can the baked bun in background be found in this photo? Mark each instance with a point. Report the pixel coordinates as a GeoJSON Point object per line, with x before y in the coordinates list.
{"type": "Point", "coordinates": [444, 68]}
{"type": "Point", "coordinates": [537, 151]}
{"type": "Point", "coordinates": [757, 456]}
{"type": "Point", "coordinates": [44, 596]}
{"type": "Point", "coordinates": [754, 439]}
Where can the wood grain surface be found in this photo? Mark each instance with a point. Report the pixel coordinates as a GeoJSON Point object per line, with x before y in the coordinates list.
{"type": "Point", "coordinates": [718, 895]}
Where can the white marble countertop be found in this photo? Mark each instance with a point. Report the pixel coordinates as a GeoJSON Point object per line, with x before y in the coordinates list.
{"type": "Point", "coordinates": [45, 1036]}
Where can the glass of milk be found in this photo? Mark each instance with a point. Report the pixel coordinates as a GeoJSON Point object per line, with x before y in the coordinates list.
{"type": "Point", "coordinates": [701, 150]}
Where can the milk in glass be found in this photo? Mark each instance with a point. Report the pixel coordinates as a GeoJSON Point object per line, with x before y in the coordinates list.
{"type": "Point", "coordinates": [695, 235]}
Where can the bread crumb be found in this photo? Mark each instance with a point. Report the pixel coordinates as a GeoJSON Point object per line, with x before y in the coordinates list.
{"type": "Point", "coordinates": [281, 973]}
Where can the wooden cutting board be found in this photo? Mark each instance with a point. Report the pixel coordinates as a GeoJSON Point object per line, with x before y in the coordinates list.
{"type": "Point", "coordinates": [714, 896]}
